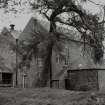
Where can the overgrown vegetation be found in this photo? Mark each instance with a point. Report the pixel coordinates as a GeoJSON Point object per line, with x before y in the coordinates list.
{"type": "Point", "coordinates": [46, 96]}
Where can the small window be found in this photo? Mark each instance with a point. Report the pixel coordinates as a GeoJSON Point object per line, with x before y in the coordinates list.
{"type": "Point", "coordinates": [6, 78]}
{"type": "Point", "coordinates": [39, 62]}
{"type": "Point", "coordinates": [58, 59]}
{"type": "Point", "coordinates": [66, 61]}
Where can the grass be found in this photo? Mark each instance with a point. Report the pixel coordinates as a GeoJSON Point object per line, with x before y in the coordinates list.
{"type": "Point", "coordinates": [46, 96]}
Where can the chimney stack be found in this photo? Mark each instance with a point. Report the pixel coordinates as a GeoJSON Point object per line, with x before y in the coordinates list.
{"type": "Point", "coordinates": [12, 27]}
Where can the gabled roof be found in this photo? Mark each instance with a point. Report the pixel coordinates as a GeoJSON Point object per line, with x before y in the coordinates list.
{"type": "Point", "coordinates": [32, 28]}
{"type": "Point", "coordinates": [7, 36]}
{"type": "Point", "coordinates": [7, 54]}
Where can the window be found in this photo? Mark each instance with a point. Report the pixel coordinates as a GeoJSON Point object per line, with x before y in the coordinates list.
{"type": "Point", "coordinates": [6, 78]}
{"type": "Point", "coordinates": [58, 59]}
{"type": "Point", "coordinates": [67, 56]}
{"type": "Point", "coordinates": [39, 62]}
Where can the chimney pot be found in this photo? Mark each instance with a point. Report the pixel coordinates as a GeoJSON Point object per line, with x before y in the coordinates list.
{"type": "Point", "coordinates": [12, 26]}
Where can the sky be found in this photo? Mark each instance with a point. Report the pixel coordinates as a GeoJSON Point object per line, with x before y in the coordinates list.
{"type": "Point", "coordinates": [92, 7]}
{"type": "Point", "coordinates": [21, 18]}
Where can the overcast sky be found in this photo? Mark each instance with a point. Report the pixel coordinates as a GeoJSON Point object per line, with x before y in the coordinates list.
{"type": "Point", "coordinates": [21, 19]}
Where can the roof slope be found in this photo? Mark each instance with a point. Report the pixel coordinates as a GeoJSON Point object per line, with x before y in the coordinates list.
{"type": "Point", "coordinates": [32, 28]}
{"type": "Point", "coordinates": [7, 55]}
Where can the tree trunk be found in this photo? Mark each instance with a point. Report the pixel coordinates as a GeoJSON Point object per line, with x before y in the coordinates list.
{"type": "Point", "coordinates": [46, 74]}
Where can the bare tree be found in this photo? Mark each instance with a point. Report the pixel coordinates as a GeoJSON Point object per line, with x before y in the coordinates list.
{"type": "Point", "coordinates": [85, 23]}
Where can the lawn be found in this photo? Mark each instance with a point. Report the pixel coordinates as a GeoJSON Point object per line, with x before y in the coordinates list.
{"type": "Point", "coordinates": [46, 96]}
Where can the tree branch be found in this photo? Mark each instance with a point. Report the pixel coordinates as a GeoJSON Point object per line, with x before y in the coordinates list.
{"type": "Point", "coordinates": [48, 18]}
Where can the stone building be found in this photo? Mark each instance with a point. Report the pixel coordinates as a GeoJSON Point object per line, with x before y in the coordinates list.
{"type": "Point", "coordinates": [26, 76]}
{"type": "Point", "coordinates": [74, 61]}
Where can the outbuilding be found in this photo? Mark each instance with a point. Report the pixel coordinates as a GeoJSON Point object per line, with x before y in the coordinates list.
{"type": "Point", "coordinates": [85, 79]}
